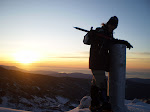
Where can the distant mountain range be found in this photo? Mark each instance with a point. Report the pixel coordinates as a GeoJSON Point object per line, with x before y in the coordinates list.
{"type": "Point", "coordinates": [12, 68]}
{"type": "Point", "coordinates": [51, 73]}
{"type": "Point", "coordinates": [35, 91]}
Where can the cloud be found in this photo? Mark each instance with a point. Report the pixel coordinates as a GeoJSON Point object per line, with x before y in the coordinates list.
{"type": "Point", "coordinates": [140, 58]}
{"type": "Point", "coordinates": [71, 57]}
{"type": "Point", "coordinates": [140, 53]}
{"type": "Point", "coordinates": [137, 53]}
{"type": "Point", "coordinates": [77, 55]}
{"type": "Point", "coordinates": [85, 52]}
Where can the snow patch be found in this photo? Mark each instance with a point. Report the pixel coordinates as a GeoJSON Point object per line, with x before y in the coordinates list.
{"type": "Point", "coordinates": [5, 100]}
{"type": "Point", "coordinates": [38, 99]}
{"type": "Point", "coordinates": [3, 109]}
{"type": "Point", "coordinates": [138, 106]}
{"type": "Point", "coordinates": [24, 100]}
{"type": "Point", "coordinates": [38, 88]}
{"type": "Point", "coordinates": [133, 106]}
{"type": "Point", "coordinates": [62, 100]}
{"type": "Point", "coordinates": [80, 110]}
{"type": "Point", "coordinates": [85, 102]}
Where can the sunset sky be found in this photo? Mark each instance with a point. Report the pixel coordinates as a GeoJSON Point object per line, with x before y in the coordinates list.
{"type": "Point", "coordinates": [39, 34]}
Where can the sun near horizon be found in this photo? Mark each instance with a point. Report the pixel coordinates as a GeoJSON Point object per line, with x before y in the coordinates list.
{"type": "Point", "coordinates": [25, 57]}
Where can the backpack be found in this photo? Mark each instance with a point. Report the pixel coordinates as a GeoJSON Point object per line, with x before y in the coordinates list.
{"type": "Point", "coordinates": [87, 39]}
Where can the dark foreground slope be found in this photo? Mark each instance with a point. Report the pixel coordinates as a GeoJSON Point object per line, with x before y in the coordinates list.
{"type": "Point", "coordinates": [19, 89]}
{"type": "Point", "coordinates": [29, 91]}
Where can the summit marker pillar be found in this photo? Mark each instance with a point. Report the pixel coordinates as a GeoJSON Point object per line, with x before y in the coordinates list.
{"type": "Point", "coordinates": [117, 77]}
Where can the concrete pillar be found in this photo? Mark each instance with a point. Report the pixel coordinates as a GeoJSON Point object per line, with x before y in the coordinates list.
{"type": "Point", "coordinates": [117, 77]}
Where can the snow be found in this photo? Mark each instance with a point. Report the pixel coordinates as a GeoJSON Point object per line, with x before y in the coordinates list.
{"type": "Point", "coordinates": [24, 100]}
{"type": "Point", "coordinates": [38, 88]}
{"type": "Point", "coordinates": [5, 100]}
{"type": "Point", "coordinates": [62, 100]}
{"type": "Point", "coordinates": [138, 106]}
{"type": "Point", "coordinates": [133, 106]}
{"type": "Point", "coordinates": [3, 109]}
{"type": "Point", "coordinates": [80, 110]}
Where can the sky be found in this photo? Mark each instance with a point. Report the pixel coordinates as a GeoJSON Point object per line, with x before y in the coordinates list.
{"type": "Point", "coordinates": [41, 32]}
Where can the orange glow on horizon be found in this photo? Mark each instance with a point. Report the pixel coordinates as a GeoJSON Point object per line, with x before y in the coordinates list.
{"type": "Point", "coordinates": [25, 57]}
{"type": "Point", "coordinates": [70, 63]}
{"type": "Point", "coordinates": [138, 64]}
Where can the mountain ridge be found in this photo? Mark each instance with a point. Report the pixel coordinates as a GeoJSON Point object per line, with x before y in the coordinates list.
{"type": "Point", "coordinates": [23, 90]}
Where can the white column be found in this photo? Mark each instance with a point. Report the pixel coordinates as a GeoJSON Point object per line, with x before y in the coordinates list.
{"type": "Point", "coordinates": [117, 77]}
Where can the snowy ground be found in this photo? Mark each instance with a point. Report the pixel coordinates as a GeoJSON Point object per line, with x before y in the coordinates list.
{"type": "Point", "coordinates": [58, 104]}
{"type": "Point", "coordinates": [133, 106]}
{"type": "Point", "coordinates": [3, 109]}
